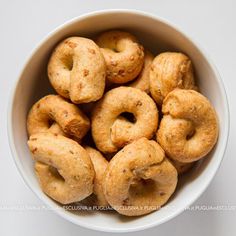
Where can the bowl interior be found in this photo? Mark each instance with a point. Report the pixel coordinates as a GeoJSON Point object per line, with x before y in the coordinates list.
{"type": "Point", "coordinates": [155, 35]}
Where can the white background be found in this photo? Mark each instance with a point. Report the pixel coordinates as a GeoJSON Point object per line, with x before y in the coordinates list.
{"type": "Point", "coordinates": [22, 26]}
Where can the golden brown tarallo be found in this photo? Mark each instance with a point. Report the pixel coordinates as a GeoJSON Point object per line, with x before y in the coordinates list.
{"type": "Point", "coordinates": [139, 178]}
{"type": "Point", "coordinates": [189, 128]}
{"type": "Point", "coordinates": [77, 70]}
{"type": "Point", "coordinates": [142, 82]}
{"type": "Point", "coordinates": [64, 169]}
{"type": "Point", "coordinates": [110, 130]}
{"type": "Point", "coordinates": [123, 54]}
{"type": "Point", "coordinates": [55, 114]}
{"type": "Point", "coordinates": [100, 164]}
{"type": "Point", "coordinates": [170, 70]}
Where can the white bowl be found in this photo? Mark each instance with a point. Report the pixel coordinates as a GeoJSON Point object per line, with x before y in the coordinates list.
{"type": "Point", "coordinates": [157, 35]}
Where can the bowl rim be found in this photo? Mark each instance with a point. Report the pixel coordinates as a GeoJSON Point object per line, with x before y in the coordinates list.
{"type": "Point", "coordinates": [63, 213]}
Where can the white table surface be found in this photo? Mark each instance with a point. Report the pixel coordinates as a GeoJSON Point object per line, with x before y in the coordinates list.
{"type": "Point", "coordinates": [23, 24]}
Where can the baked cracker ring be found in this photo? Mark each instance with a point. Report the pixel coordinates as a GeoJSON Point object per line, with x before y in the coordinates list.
{"type": "Point", "coordinates": [142, 82]}
{"type": "Point", "coordinates": [189, 128]}
{"type": "Point", "coordinates": [64, 169]}
{"type": "Point", "coordinates": [100, 165]}
{"type": "Point", "coordinates": [139, 179]}
{"type": "Point", "coordinates": [111, 131]}
{"type": "Point", "coordinates": [77, 70]}
{"type": "Point", "coordinates": [54, 108]}
{"type": "Point", "coordinates": [123, 54]}
{"type": "Point", "coordinates": [170, 70]}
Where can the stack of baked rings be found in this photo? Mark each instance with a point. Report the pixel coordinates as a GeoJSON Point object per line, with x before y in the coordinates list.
{"type": "Point", "coordinates": [123, 125]}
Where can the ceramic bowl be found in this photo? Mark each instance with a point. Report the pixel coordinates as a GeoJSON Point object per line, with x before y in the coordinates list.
{"type": "Point", "coordinates": [157, 35]}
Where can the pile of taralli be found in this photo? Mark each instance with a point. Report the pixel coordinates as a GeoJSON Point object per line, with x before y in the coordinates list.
{"type": "Point", "coordinates": [123, 126]}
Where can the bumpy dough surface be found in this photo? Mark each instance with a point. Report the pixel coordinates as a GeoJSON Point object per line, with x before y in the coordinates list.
{"type": "Point", "coordinates": [100, 165]}
{"type": "Point", "coordinates": [189, 128]}
{"type": "Point", "coordinates": [111, 131]}
{"type": "Point", "coordinates": [64, 114]}
{"type": "Point", "coordinates": [142, 82]}
{"type": "Point", "coordinates": [77, 70]}
{"type": "Point", "coordinates": [123, 54]}
{"type": "Point", "coordinates": [139, 179]}
{"type": "Point", "coordinates": [64, 169]}
{"type": "Point", "coordinates": [170, 70]}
